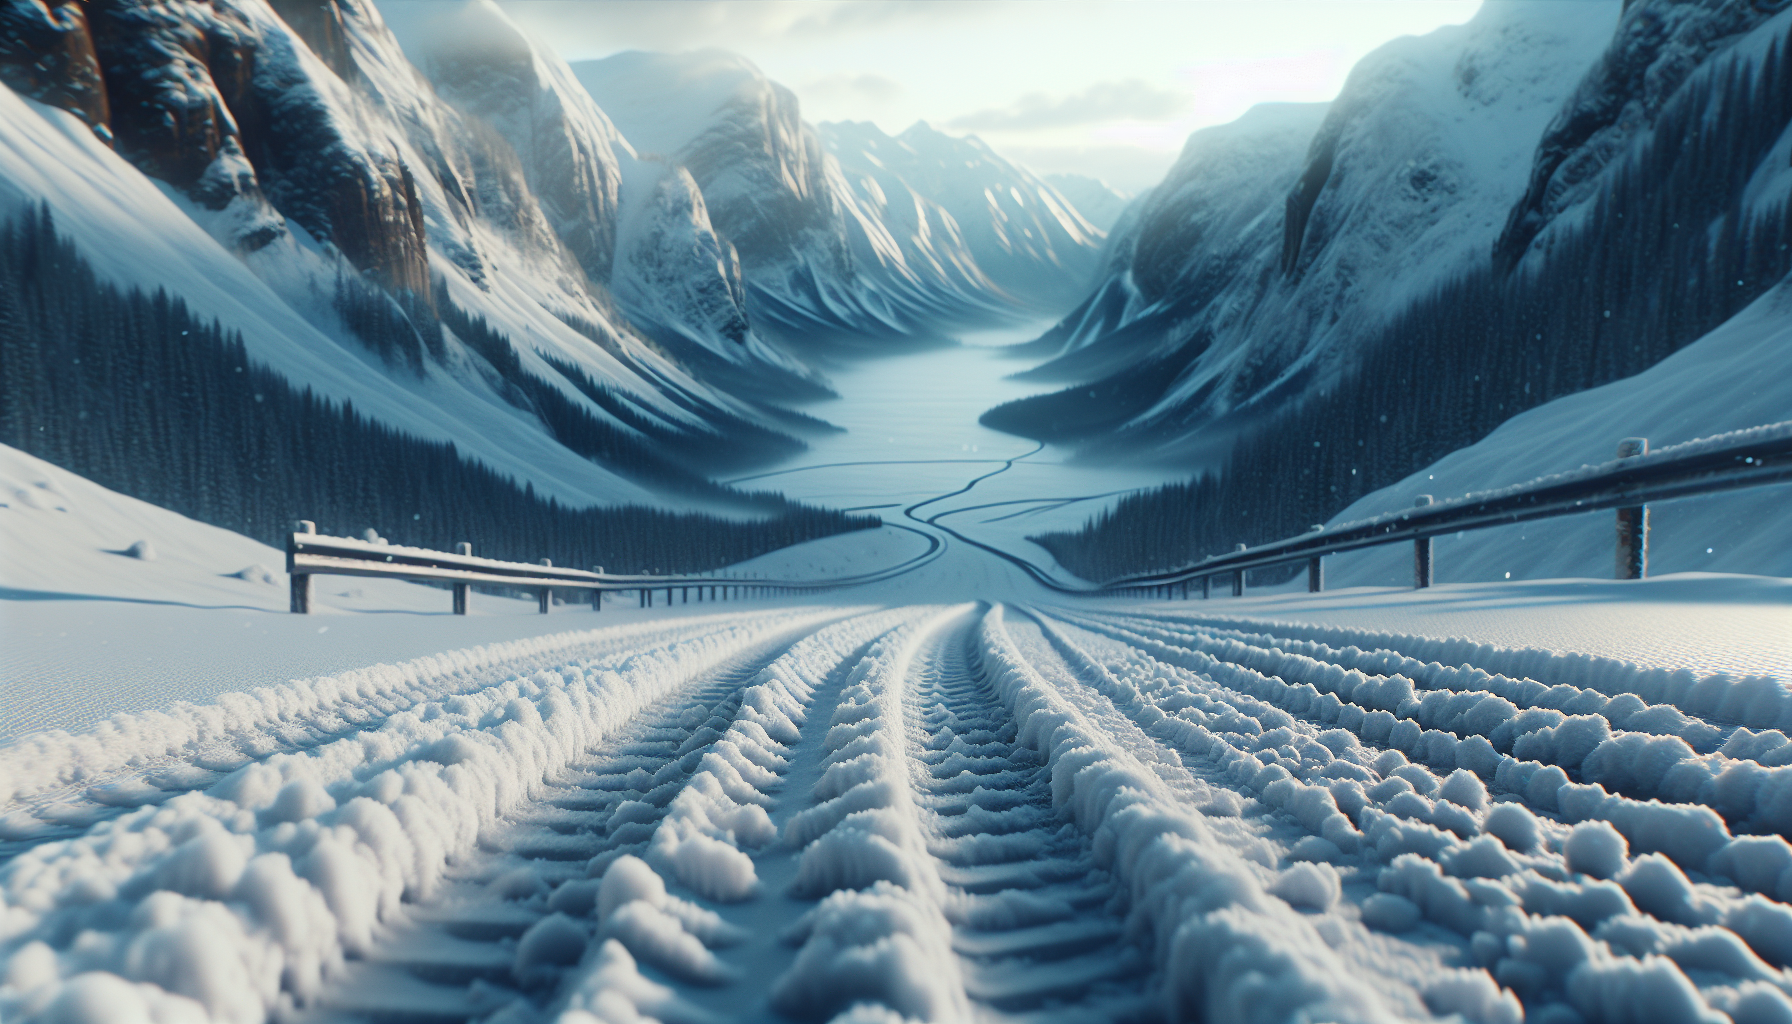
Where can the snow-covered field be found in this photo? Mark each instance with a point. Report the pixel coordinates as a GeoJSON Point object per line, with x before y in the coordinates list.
{"type": "Point", "coordinates": [952, 795]}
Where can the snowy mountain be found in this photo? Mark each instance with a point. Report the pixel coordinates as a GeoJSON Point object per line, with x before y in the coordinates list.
{"type": "Point", "coordinates": [320, 164]}
{"type": "Point", "coordinates": [297, 282]}
{"type": "Point", "coordinates": [1025, 235]}
{"type": "Point", "coordinates": [1099, 202]}
{"type": "Point", "coordinates": [1648, 209]}
{"type": "Point", "coordinates": [635, 228]}
{"type": "Point", "coordinates": [820, 248]}
{"type": "Point", "coordinates": [1655, 52]}
{"type": "Point", "coordinates": [1278, 242]}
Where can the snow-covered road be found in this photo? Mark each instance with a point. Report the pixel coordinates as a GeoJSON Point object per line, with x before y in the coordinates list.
{"type": "Point", "coordinates": [945, 812]}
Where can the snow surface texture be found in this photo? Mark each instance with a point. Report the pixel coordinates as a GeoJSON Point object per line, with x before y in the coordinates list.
{"type": "Point", "coordinates": [940, 813]}
{"type": "Point", "coordinates": [87, 631]}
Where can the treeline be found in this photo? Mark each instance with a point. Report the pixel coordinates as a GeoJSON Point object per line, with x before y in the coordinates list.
{"type": "Point", "coordinates": [138, 394]}
{"type": "Point", "coordinates": [1667, 253]}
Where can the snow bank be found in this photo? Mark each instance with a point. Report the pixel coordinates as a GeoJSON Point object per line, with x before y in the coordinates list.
{"type": "Point", "coordinates": [1227, 948]}
{"type": "Point", "coordinates": [880, 935]}
{"type": "Point", "coordinates": [1713, 392]}
{"type": "Point", "coordinates": [244, 897]}
{"type": "Point", "coordinates": [245, 724]}
{"type": "Point", "coordinates": [708, 828]}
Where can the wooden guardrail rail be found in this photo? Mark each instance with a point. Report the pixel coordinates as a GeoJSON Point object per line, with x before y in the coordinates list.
{"type": "Point", "coordinates": [1744, 458]}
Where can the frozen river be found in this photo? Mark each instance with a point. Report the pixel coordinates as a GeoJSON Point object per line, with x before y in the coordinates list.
{"type": "Point", "coordinates": [911, 450]}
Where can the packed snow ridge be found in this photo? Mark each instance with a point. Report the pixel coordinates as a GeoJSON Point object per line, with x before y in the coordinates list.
{"type": "Point", "coordinates": [925, 812]}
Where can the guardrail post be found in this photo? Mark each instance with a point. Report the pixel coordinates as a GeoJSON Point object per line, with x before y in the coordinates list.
{"type": "Point", "coordinates": [1206, 587]}
{"type": "Point", "coordinates": [597, 594]}
{"type": "Point", "coordinates": [460, 589]}
{"type": "Point", "coordinates": [1238, 577]}
{"type": "Point", "coordinates": [301, 581]}
{"type": "Point", "coordinates": [1421, 551]}
{"type": "Point", "coordinates": [547, 593]}
{"type": "Point", "coordinates": [1633, 522]}
{"type": "Point", "coordinates": [1316, 567]}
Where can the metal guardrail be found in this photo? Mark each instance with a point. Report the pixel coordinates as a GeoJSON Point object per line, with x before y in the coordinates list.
{"type": "Point", "coordinates": [1747, 458]}
{"type": "Point", "coordinates": [309, 554]}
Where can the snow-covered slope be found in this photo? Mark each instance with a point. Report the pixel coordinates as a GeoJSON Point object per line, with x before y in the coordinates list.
{"type": "Point", "coordinates": [148, 236]}
{"type": "Point", "coordinates": [1738, 376]}
{"type": "Point", "coordinates": [1256, 266]}
{"type": "Point", "coordinates": [1025, 235]}
{"type": "Point", "coordinates": [818, 249]}
{"type": "Point", "coordinates": [1099, 202]}
{"type": "Point", "coordinates": [636, 226]}
{"type": "Point", "coordinates": [262, 157]}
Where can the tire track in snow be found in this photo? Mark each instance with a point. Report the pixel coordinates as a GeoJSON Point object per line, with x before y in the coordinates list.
{"type": "Point", "coordinates": [1581, 902]}
{"type": "Point", "coordinates": [1036, 924]}
{"type": "Point", "coordinates": [245, 900]}
{"type": "Point", "coordinates": [56, 784]}
{"type": "Point", "coordinates": [478, 943]}
{"type": "Point", "coordinates": [714, 848]}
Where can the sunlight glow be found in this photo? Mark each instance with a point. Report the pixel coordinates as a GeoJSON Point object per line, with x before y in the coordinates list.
{"type": "Point", "coordinates": [1106, 89]}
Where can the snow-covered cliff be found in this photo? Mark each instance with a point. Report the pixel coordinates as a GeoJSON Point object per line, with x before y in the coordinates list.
{"type": "Point", "coordinates": [829, 240]}
{"type": "Point", "coordinates": [1023, 233]}
{"type": "Point", "coordinates": [1280, 241]}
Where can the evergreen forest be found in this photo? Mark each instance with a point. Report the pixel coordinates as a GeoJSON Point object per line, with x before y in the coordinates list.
{"type": "Point", "coordinates": [140, 395]}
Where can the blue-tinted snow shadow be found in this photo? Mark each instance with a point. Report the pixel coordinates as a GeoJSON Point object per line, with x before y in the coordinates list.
{"type": "Point", "coordinates": [16, 594]}
{"type": "Point", "coordinates": [1680, 588]}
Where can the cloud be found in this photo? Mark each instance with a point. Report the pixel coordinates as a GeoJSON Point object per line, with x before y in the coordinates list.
{"type": "Point", "coordinates": [831, 19]}
{"type": "Point", "coordinates": [871, 88]}
{"type": "Point", "coordinates": [1131, 99]}
{"type": "Point", "coordinates": [598, 27]}
{"type": "Point", "coordinates": [1128, 168]}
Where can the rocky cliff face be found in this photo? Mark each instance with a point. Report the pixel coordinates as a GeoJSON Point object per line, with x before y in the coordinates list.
{"type": "Point", "coordinates": [762, 172]}
{"type": "Point", "coordinates": [823, 246]}
{"type": "Point", "coordinates": [220, 100]}
{"type": "Point", "coordinates": [570, 153]}
{"type": "Point", "coordinates": [1655, 50]}
{"type": "Point", "coordinates": [46, 53]}
{"type": "Point", "coordinates": [439, 256]}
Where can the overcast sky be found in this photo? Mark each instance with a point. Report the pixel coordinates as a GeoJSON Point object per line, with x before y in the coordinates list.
{"type": "Point", "coordinates": [1109, 89]}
